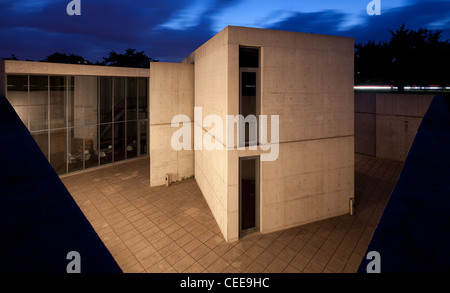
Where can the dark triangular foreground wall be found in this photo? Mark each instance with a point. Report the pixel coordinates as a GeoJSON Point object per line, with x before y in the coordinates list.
{"type": "Point", "coordinates": [413, 235]}
{"type": "Point", "coordinates": [40, 223]}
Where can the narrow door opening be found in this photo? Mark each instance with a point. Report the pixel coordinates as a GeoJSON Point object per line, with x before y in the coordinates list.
{"type": "Point", "coordinates": [248, 194]}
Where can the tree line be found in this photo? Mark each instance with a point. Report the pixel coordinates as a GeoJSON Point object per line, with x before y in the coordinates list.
{"type": "Point", "coordinates": [131, 58]}
{"type": "Point", "coordinates": [410, 57]}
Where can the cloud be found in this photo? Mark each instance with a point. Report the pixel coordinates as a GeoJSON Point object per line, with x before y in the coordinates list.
{"type": "Point", "coordinates": [430, 14]}
{"type": "Point", "coordinates": [425, 14]}
{"type": "Point", "coordinates": [188, 17]}
{"type": "Point", "coordinates": [324, 22]}
{"type": "Point", "coordinates": [104, 26]}
{"type": "Point", "coordinates": [165, 31]}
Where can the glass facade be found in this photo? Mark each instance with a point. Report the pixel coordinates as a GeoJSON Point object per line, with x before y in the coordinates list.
{"type": "Point", "coordinates": [81, 122]}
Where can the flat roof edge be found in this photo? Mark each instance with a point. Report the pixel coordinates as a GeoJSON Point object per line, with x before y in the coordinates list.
{"type": "Point", "coordinates": [234, 27]}
{"type": "Point", "coordinates": [47, 68]}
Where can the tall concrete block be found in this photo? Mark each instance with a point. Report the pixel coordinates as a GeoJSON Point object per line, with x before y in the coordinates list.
{"type": "Point", "coordinates": [171, 93]}
{"type": "Point", "coordinates": [307, 80]}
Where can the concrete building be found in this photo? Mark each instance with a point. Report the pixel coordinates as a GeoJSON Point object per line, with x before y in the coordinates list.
{"type": "Point", "coordinates": [386, 123]}
{"type": "Point", "coordinates": [81, 116]}
{"type": "Point", "coordinates": [303, 81]}
{"type": "Point", "coordinates": [307, 80]}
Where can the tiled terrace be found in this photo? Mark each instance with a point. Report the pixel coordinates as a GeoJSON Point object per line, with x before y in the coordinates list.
{"type": "Point", "coordinates": [171, 229]}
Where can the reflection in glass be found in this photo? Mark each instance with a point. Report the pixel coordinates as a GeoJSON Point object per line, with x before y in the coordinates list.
{"type": "Point", "coordinates": [105, 99]}
{"type": "Point", "coordinates": [57, 150]}
{"type": "Point", "coordinates": [248, 106]}
{"type": "Point", "coordinates": [57, 101]}
{"type": "Point", "coordinates": [70, 100]}
{"type": "Point", "coordinates": [143, 98]}
{"type": "Point", "coordinates": [249, 57]}
{"type": "Point", "coordinates": [132, 145]}
{"type": "Point", "coordinates": [143, 137]}
{"type": "Point", "coordinates": [17, 87]}
{"type": "Point", "coordinates": [131, 98]}
{"type": "Point", "coordinates": [106, 144]}
{"type": "Point", "coordinates": [91, 152]}
{"type": "Point", "coordinates": [119, 99]}
{"type": "Point", "coordinates": [41, 138]}
{"type": "Point", "coordinates": [75, 149]}
{"type": "Point", "coordinates": [119, 141]}
{"type": "Point", "coordinates": [38, 111]}
{"type": "Point", "coordinates": [65, 115]}
{"type": "Point", "coordinates": [86, 100]}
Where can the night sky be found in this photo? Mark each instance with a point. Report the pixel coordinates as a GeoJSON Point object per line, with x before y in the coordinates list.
{"type": "Point", "coordinates": [170, 30]}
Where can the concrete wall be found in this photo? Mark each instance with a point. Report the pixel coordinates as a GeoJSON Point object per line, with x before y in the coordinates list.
{"type": "Point", "coordinates": [31, 67]}
{"type": "Point", "coordinates": [386, 124]}
{"type": "Point", "coordinates": [307, 80]}
{"type": "Point", "coordinates": [171, 93]}
{"type": "Point", "coordinates": [2, 78]}
{"type": "Point", "coordinates": [212, 88]}
{"type": "Point", "coordinates": [365, 123]}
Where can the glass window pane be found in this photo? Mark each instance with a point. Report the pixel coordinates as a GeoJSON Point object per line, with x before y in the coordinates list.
{"type": "Point", "coordinates": [249, 84]}
{"type": "Point", "coordinates": [70, 83]}
{"type": "Point", "coordinates": [57, 101]}
{"type": "Point", "coordinates": [91, 152]}
{"type": "Point", "coordinates": [106, 147]}
{"type": "Point", "coordinates": [143, 98]}
{"type": "Point", "coordinates": [119, 99]}
{"type": "Point", "coordinates": [131, 98]}
{"type": "Point", "coordinates": [249, 57]}
{"type": "Point", "coordinates": [17, 94]}
{"type": "Point", "coordinates": [38, 111]}
{"type": "Point", "coordinates": [143, 137]}
{"type": "Point", "coordinates": [119, 141]}
{"type": "Point", "coordinates": [57, 150]}
{"type": "Point", "coordinates": [105, 99]}
{"type": "Point", "coordinates": [86, 100]}
{"type": "Point", "coordinates": [132, 145]}
{"type": "Point", "coordinates": [75, 149]}
{"type": "Point", "coordinates": [248, 106]}
{"type": "Point", "coordinates": [41, 138]}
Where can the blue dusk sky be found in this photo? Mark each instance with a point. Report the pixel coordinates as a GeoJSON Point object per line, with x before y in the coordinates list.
{"type": "Point", "coordinates": [169, 30]}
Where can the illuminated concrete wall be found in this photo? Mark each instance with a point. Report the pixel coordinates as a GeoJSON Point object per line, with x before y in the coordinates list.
{"type": "Point", "coordinates": [2, 78]}
{"type": "Point", "coordinates": [171, 94]}
{"type": "Point", "coordinates": [386, 123]}
{"type": "Point", "coordinates": [31, 67]}
{"type": "Point", "coordinates": [211, 65]}
{"type": "Point", "coordinates": [308, 81]}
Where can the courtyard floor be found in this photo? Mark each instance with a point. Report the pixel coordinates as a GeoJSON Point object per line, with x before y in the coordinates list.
{"type": "Point", "coordinates": [171, 229]}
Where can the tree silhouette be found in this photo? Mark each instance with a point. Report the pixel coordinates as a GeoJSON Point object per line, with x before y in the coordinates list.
{"type": "Point", "coordinates": [13, 57]}
{"type": "Point", "coordinates": [131, 58]}
{"type": "Point", "coordinates": [65, 58]}
{"type": "Point", "coordinates": [371, 61]}
{"type": "Point", "coordinates": [410, 57]}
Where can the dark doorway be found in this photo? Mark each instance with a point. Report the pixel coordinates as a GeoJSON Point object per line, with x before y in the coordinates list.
{"type": "Point", "coordinates": [248, 194]}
